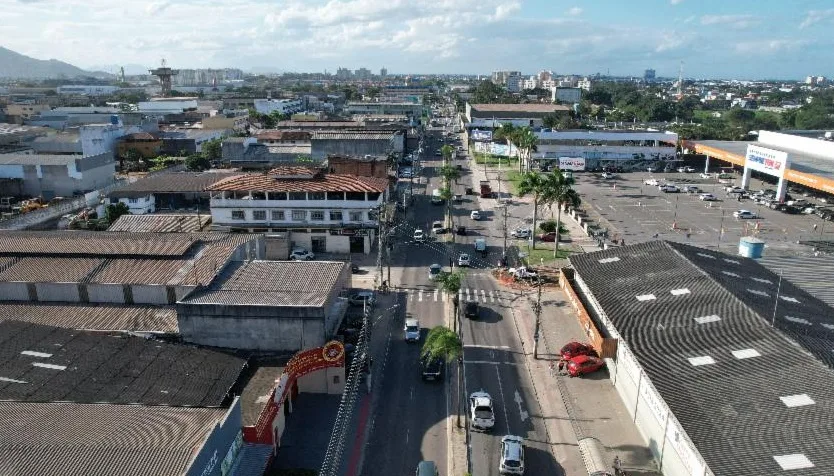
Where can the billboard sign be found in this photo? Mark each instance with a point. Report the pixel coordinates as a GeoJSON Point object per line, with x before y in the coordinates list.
{"type": "Point", "coordinates": [496, 149]}
{"type": "Point", "coordinates": [572, 163]}
{"type": "Point", "coordinates": [482, 136]}
{"type": "Point", "coordinates": [769, 161]}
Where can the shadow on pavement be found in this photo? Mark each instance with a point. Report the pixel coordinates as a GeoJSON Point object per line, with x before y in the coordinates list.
{"type": "Point", "coordinates": [308, 431]}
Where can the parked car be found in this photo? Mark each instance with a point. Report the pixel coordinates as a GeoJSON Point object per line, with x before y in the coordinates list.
{"type": "Point", "coordinates": [744, 214]}
{"type": "Point", "coordinates": [520, 233]}
{"type": "Point", "coordinates": [434, 271]}
{"type": "Point", "coordinates": [707, 197]}
{"type": "Point", "coordinates": [412, 330]}
{"type": "Point", "coordinates": [584, 364]}
{"type": "Point", "coordinates": [461, 230]}
{"type": "Point", "coordinates": [705, 175]}
{"type": "Point", "coordinates": [523, 272]}
{"type": "Point", "coordinates": [609, 175]}
{"type": "Point", "coordinates": [512, 455]}
{"type": "Point", "coordinates": [480, 411]}
{"type": "Point", "coordinates": [733, 189]}
{"type": "Point", "coordinates": [301, 254]}
{"type": "Point", "coordinates": [668, 188]}
{"type": "Point", "coordinates": [475, 215]}
{"type": "Point", "coordinates": [362, 298]}
{"type": "Point", "coordinates": [419, 235]}
{"type": "Point", "coordinates": [652, 181]}
{"type": "Point", "coordinates": [572, 349]}
{"type": "Point", "coordinates": [691, 189]}
{"type": "Point", "coordinates": [463, 259]}
{"type": "Point", "coordinates": [437, 228]}
{"type": "Point", "coordinates": [549, 236]}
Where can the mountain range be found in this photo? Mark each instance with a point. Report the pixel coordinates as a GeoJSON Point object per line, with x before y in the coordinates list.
{"type": "Point", "coordinates": [17, 66]}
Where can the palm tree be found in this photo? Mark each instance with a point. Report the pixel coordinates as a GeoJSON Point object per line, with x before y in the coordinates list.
{"type": "Point", "coordinates": [451, 283]}
{"type": "Point", "coordinates": [442, 342]}
{"type": "Point", "coordinates": [526, 142]}
{"type": "Point", "coordinates": [449, 174]}
{"type": "Point", "coordinates": [446, 152]}
{"type": "Point", "coordinates": [537, 184]}
{"type": "Point", "coordinates": [559, 191]}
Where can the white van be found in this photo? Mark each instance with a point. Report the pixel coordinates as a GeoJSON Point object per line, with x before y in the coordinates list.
{"type": "Point", "coordinates": [435, 197]}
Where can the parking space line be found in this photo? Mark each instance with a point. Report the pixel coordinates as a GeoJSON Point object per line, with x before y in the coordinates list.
{"type": "Point", "coordinates": [436, 292]}
{"type": "Point", "coordinates": [420, 296]}
{"type": "Point", "coordinates": [483, 295]}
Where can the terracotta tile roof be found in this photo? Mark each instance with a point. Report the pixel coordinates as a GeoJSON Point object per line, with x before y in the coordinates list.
{"type": "Point", "coordinates": [141, 136]}
{"type": "Point", "coordinates": [96, 440]}
{"type": "Point", "coordinates": [326, 183]}
{"type": "Point", "coordinates": [103, 317]}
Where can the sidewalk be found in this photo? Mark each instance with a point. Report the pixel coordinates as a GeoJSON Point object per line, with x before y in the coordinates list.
{"type": "Point", "coordinates": [574, 408]}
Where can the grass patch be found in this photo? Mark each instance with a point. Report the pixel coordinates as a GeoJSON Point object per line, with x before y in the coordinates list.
{"type": "Point", "coordinates": [492, 161]}
{"type": "Point", "coordinates": [543, 254]}
{"type": "Point", "coordinates": [514, 178]}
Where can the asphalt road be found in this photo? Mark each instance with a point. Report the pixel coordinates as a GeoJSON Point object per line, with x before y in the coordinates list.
{"type": "Point", "coordinates": [640, 211]}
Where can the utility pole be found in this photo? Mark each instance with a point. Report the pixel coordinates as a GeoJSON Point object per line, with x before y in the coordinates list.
{"type": "Point", "coordinates": [504, 249]}
{"type": "Point", "coordinates": [538, 307]}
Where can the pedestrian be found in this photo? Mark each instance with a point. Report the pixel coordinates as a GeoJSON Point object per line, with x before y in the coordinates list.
{"type": "Point", "coordinates": [561, 366]}
{"type": "Point", "coordinates": [655, 235]}
{"type": "Point", "coordinates": [815, 227]}
{"type": "Point", "coordinates": [617, 467]}
{"type": "Point", "coordinates": [622, 241]}
{"type": "Point", "coordinates": [552, 368]}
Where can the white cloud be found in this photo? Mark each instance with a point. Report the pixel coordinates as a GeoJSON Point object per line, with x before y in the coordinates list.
{"type": "Point", "coordinates": [575, 11]}
{"type": "Point", "coordinates": [675, 2]}
{"type": "Point", "coordinates": [816, 16]}
{"type": "Point", "coordinates": [736, 21]}
{"type": "Point", "coordinates": [157, 7]}
{"type": "Point", "coordinates": [769, 47]}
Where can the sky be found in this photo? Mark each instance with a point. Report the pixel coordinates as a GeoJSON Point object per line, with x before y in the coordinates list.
{"type": "Point", "coordinates": [730, 39]}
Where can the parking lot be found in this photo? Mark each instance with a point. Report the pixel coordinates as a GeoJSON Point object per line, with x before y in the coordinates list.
{"type": "Point", "coordinates": [634, 211]}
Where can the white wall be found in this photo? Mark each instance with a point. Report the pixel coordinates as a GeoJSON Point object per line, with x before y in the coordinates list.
{"type": "Point", "coordinates": [100, 138]}
{"type": "Point", "coordinates": [67, 292]}
{"type": "Point", "coordinates": [142, 206]}
{"type": "Point", "coordinates": [106, 293]}
{"type": "Point", "coordinates": [14, 292]}
{"type": "Point", "coordinates": [803, 144]}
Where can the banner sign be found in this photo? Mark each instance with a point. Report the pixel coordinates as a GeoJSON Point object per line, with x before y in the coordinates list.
{"type": "Point", "coordinates": [572, 163]}
{"type": "Point", "coordinates": [483, 136]}
{"type": "Point", "coordinates": [496, 149]}
{"type": "Point", "coordinates": [769, 161]}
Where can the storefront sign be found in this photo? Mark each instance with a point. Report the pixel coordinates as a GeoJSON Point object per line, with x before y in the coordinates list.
{"type": "Point", "coordinates": [572, 163]}
{"type": "Point", "coordinates": [769, 161]}
{"type": "Point", "coordinates": [483, 136]}
{"type": "Point", "coordinates": [349, 232]}
{"type": "Point", "coordinates": [305, 362]}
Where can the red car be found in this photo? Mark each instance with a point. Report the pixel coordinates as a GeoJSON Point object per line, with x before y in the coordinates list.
{"type": "Point", "coordinates": [548, 236]}
{"type": "Point", "coordinates": [584, 364]}
{"type": "Point", "coordinates": [572, 349]}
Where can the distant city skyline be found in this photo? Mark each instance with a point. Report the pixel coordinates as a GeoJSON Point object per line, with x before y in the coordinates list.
{"type": "Point", "coordinates": [763, 39]}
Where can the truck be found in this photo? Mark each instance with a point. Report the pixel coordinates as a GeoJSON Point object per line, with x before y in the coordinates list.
{"type": "Point", "coordinates": [486, 189]}
{"type": "Point", "coordinates": [480, 245]}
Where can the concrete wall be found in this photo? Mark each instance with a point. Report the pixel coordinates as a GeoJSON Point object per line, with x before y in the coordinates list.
{"type": "Point", "coordinates": [228, 326]}
{"type": "Point", "coordinates": [67, 292]}
{"type": "Point", "coordinates": [106, 293]}
{"type": "Point", "coordinates": [222, 439]}
{"type": "Point", "coordinates": [14, 292]}
{"type": "Point", "coordinates": [150, 294]}
{"type": "Point", "coordinates": [330, 380]}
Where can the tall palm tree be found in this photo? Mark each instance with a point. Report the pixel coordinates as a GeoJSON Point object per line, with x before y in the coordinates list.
{"type": "Point", "coordinates": [559, 191]}
{"type": "Point", "coordinates": [446, 152]}
{"type": "Point", "coordinates": [507, 132]}
{"type": "Point", "coordinates": [451, 284]}
{"type": "Point", "coordinates": [442, 342]}
{"type": "Point", "coordinates": [449, 174]}
{"type": "Point", "coordinates": [536, 184]}
{"type": "Point", "coordinates": [526, 142]}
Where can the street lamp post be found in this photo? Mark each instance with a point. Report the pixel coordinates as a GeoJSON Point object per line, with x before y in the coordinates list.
{"type": "Point", "coordinates": [538, 309]}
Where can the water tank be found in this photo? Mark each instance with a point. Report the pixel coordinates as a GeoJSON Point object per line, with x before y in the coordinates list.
{"type": "Point", "coordinates": [750, 247]}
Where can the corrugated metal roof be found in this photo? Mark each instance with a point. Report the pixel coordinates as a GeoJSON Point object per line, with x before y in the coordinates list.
{"type": "Point", "coordinates": [175, 182]}
{"type": "Point", "coordinates": [100, 440]}
{"type": "Point", "coordinates": [106, 317]}
{"type": "Point", "coordinates": [93, 367]}
{"type": "Point", "coordinates": [50, 270]}
{"type": "Point", "coordinates": [811, 273]}
{"type": "Point", "coordinates": [160, 223]}
{"type": "Point", "coordinates": [283, 135]}
{"type": "Point", "coordinates": [95, 243]}
{"type": "Point", "coordinates": [23, 159]}
{"type": "Point", "coordinates": [326, 183]}
{"type": "Point", "coordinates": [137, 271]}
{"type": "Point", "coordinates": [273, 283]}
{"type": "Point", "coordinates": [352, 135]}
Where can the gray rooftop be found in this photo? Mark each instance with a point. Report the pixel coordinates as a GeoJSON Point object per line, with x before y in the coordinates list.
{"type": "Point", "coordinates": [175, 182]}
{"type": "Point", "coordinates": [672, 302]}
{"type": "Point", "coordinates": [272, 283]}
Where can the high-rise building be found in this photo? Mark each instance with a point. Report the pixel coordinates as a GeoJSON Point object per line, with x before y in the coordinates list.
{"type": "Point", "coordinates": [362, 73]}
{"type": "Point", "coordinates": [383, 72]}
{"type": "Point", "coordinates": [545, 76]}
{"type": "Point", "coordinates": [502, 77]}
{"type": "Point", "coordinates": [649, 75]}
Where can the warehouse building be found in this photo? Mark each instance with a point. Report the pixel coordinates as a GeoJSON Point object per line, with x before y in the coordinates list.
{"type": "Point", "coordinates": [725, 366]}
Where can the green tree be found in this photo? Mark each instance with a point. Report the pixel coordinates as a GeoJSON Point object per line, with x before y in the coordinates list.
{"type": "Point", "coordinates": [451, 284]}
{"type": "Point", "coordinates": [446, 152]}
{"type": "Point", "coordinates": [534, 183]}
{"type": "Point", "coordinates": [442, 342]}
{"type": "Point", "coordinates": [213, 149]}
{"type": "Point", "coordinates": [197, 162]}
{"type": "Point", "coordinates": [113, 212]}
{"type": "Point", "coordinates": [558, 190]}
{"type": "Point", "coordinates": [526, 142]}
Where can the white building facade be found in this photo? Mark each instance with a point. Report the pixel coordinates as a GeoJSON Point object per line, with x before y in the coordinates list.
{"type": "Point", "coordinates": [321, 212]}
{"type": "Point", "coordinates": [281, 106]}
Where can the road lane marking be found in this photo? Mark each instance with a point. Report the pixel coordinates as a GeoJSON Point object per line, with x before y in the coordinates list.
{"type": "Point", "coordinates": [501, 390]}
{"type": "Point", "coordinates": [479, 346]}
{"type": "Point", "coordinates": [435, 294]}
{"type": "Point", "coordinates": [483, 295]}
{"type": "Point", "coordinates": [492, 296]}
{"type": "Point", "coordinates": [524, 415]}
{"type": "Point", "coordinates": [467, 294]}
{"type": "Point", "coordinates": [420, 296]}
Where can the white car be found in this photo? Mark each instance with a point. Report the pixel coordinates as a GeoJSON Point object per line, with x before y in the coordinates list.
{"type": "Point", "coordinates": [437, 228]}
{"type": "Point", "coordinates": [668, 188]}
{"type": "Point", "coordinates": [707, 197]}
{"type": "Point", "coordinates": [733, 189]}
{"type": "Point", "coordinates": [652, 181]}
{"type": "Point", "coordinates": [520, 233]}
{"type": "Point", "coordinates": [412, 330]}
{"type": "Point", "coordinates": [744, 214]}
{"type": "Point", "coordinates": [475, 215]}
{"type": "Point", "coordinates": [419, 235]}
{"type": "Point", "coordinates": [300, 254]}
{"type": "Point", "coordinates": [434, 271]}
{"type": "Point", "coordinates": [691, 189]}
{"type": "Point", "coordinates": [463, 259]}
{"type": "Point", "coordinates": [480, 411]}
{"type": "Point", "coordinates": [705, 175]}
{"type": "Point", "coordinates": [609, 175]}
{"type": "Point", "coordinates": [512, 455]}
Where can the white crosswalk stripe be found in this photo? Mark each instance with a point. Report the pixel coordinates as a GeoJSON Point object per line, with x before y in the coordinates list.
{"type": "Point", "coordinates": [483, 295]}
{"type": "Point", "coordinates": [492, 296]}
{"type": "Point", "coordinates": [436, 292]}
{"type": "Point", "coordinates": [465, 294]}
{"type": "Point", "coordinates": [420, 296]}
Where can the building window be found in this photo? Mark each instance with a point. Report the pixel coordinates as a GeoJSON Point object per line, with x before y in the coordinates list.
{"type": "Point", "coordinates": [132, 200]}
{"type": "Point", "coordinates": [373, 196]}
{"type": "Point", "coordinates": [238, 215]}
{"type": "Point", "coordinates": [359, 196]}
{"type": "Point", "coordinates": [335, 216]}
{"type": "Point", "coordinates": [356, 216]}
{"type": "Point", "coordinates": [299, 215]}
{"type": "Point", "coordinates": [259, 215]}
{"type": "Point", "coordinates": [335, 195]}
{"type": "Point", "coordinates": [278, 215]}
{"type": "Point", "coordinates": [315, 196]}
{"type": "Point", "coordinates": [298, 195]}
{"type": "Point", "coordinates": [317, 215]}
